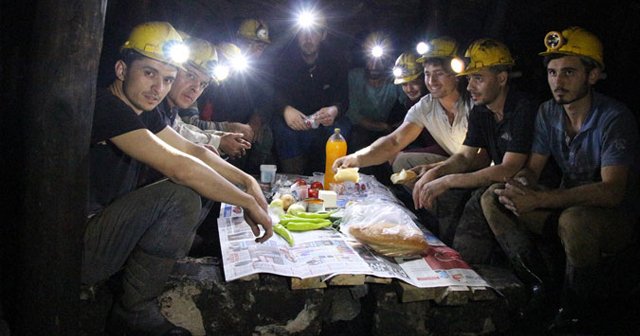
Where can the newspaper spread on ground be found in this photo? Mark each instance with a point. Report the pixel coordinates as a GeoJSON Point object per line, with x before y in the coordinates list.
{"type": "Point", "coordinates": [329, 252]}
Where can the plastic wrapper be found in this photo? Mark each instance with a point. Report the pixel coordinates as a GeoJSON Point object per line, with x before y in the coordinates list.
{"type": "Point", "coordinates": [385, 227]}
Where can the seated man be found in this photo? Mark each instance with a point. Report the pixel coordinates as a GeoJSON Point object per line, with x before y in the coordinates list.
{"type": "Point", "coordinates": [500, 128]}
{"type": "Point", "coordinates": [200, 114]}
{"type": "Point", "coordinates": [444, 112]}
{"type": "Point", "coordinates": [246, 96]}
{"type": "Point", "coordinates": [311, 91]}
{"type": "Point", "coordinates": [145, 230]}
{"type": "Point", "coordinates": [372, 94]}
{"type": "Point", "coordinates": [185, 91]}
{"type": "Point", "coordinates": [408, 74]}
{"type": "Point", "coordinates": [594, 139]}
{"type": "Point", "coordinates": [445, 125]}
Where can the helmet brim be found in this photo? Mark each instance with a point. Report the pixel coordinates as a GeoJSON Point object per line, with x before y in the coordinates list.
{"type": "Point", "coordinates": [405, 79]}
{"type": "Point", "coordinates": [568, 53]}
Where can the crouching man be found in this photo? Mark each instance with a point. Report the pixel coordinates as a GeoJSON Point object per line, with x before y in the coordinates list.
{"type": "Point", "coordinates": [594, 140]}
{"type": "Point", "coordinates": [144, 231]}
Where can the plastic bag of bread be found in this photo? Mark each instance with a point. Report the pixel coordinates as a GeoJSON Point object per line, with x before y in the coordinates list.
{"type": "Point", "coordinates": [347, 174]}
{"type": "Point", "coordinates": [403, 177]}
{"type": "Point", "coordinates": [385, 227]}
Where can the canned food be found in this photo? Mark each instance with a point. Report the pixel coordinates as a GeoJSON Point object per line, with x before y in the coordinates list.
{"type": "Point", "coordinates": [314, 204]}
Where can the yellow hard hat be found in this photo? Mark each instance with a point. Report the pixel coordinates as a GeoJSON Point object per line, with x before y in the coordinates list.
{"type": "Point", "coordinates": [228, 51]}
{"type": "Point", "coordinates": [203, 55]}
{"type": "Point", "coordinates": [406, 68]}
{"type": "Point", "coordinates": [255, 30]}
{"type": "Point", "coordinates": [440, 48]}
{"type": "Point", "coordinates": [228, 55]}
{"type": "Point", "coordinates": [158, 40]}
{"type": "Point", "coordinates": [484, 53]}
{"type": "Point", "coordinates": [574, 41]}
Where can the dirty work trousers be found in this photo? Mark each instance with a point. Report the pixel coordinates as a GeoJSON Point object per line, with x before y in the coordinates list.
{"type": "Point", "coordinates": [587, 233]}
{"type": "Point", "coordinates": [462, 226]}
{"type": "Point", "coordinates": [158, 220]}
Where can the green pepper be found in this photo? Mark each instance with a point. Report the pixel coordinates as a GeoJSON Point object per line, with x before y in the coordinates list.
{"type": "Point", "coordinates": [284, 233]}
{"type": "Point", "coordinates": [287, 219]}
{"type": "Point", "coordinates": [313, 214]}
{"type": "Point", "coordinates": [307, 226]}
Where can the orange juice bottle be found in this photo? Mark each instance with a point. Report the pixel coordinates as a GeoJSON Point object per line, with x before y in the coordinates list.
{"type": "Point", "coordinates": [336, 147]}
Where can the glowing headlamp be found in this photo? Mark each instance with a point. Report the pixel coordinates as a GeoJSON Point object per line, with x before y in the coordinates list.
{"type": "Point", "coordinates": [377, 51]}
{"type": "Point", "coordinates": [398, 72]}
{"type": "Point", "coordinates": [457, 65]}
{"type": "Point", "coordinates": [176, 51]}
{"type": "Point", "coordinates": [422, 48]}
{"type": "Point", "coordinates": [239, 63]}
{"type": "Point", "coordinates": [307, 19]}
{"type": "Point", "coordinates": [221, 72]}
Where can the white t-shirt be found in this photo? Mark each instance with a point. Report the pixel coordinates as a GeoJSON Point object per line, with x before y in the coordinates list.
{"type": "Point", "coordinates": [430, 114]}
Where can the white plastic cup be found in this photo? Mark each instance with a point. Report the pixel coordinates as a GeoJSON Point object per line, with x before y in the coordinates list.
{"type": "Point", "coordinates": [268, 173]}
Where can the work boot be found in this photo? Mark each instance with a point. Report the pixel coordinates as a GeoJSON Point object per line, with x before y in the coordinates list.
{"type": "Point", "coordinates": [531, 271]}
{"type": "Point", "coordinates": [577, 311]}
{"type": "Point", "coordinates": [138, 311]}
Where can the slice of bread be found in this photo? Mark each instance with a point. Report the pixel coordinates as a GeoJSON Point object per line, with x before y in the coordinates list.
{"type": "Point", "coordinates": [403, 177]}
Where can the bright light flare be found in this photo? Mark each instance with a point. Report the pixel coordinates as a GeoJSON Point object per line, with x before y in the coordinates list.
{"type": "Point", "coordinates": [422, 48]}
{"type": "Point", "coordinates": [377, 51]}
{"type": "Point", "coordinates": [397, 72]}
{"type": "Point", "coordinates": [221, 72]}
{"type": "Point", "coordinates": [307, 19]}
{"type": "Point", "coordinates": [178, 52]}
{"type": "Point", "coordinates": [239, 63]}
{"type": "Point", "coordinates": [457, 65]}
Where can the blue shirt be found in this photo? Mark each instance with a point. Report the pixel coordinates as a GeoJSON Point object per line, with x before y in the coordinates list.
{"type": "Point", "coordinates": [608, 137]}
{"type": "Point", "coordinates": [370, 102]}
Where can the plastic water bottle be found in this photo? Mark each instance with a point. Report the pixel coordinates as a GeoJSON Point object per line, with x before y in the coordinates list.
{"type": "Point", "coordinates": [336, 147]}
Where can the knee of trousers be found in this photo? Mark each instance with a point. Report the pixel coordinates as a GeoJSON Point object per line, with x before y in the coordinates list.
{"type": "Point", "coordinates": [579, 239]}
{"type": "Point", "coordinates": [188, 203]}
{"type": "Point", "coordinates": [493, 210]}
{"type": "Point", "coordinates": [171, 235]}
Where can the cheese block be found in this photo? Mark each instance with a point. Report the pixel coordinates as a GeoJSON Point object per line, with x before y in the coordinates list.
{"type": "Point", "coordinates": [329, 197]}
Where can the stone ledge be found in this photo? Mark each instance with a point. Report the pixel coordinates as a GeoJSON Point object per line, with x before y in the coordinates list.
{"type": "Point", "coordinates": [267, 305]}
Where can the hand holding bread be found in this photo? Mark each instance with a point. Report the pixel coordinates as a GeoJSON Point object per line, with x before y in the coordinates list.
{"type": "Point", "coordinates": [403, 177]}
{"type": "Point", "coordinates": [347, 174]}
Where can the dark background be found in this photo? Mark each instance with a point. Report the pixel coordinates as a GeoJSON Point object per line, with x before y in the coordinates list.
{"type": "Point", "coordinates": [520, 24]}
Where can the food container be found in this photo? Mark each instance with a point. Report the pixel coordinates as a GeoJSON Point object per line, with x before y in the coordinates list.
{"type": "Point", "coordinates": [314, 204]}
{"type": "Point", "coordinates": [268, 173]}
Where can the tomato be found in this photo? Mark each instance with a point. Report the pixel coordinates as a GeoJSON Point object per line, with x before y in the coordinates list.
{"type": "Point", "coordinates": [313, 192]}
{"type": "Point", "coordinates": [316, 185]}
{"type": "Point", "coordinates": [300, 181]}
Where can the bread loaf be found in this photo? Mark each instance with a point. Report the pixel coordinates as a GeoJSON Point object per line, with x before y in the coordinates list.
{"type": "Point", "coordinates": [403, 177]}
{"type": "Point", "coordinates": [391, 239]}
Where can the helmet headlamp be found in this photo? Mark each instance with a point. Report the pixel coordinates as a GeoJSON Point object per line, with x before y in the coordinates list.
{"type": "Point", "coordinates": [377, 51]}
{"type": "Point", "coordinates": [422, 48]}
{"type": "Point", "coordinates": [307, 19]}
{"type": "Point", "coordinates": [457, 64]}
{"type": "Point", "coordinates": [176, 51]}
{"type": "Point", "coordinates": [554, 40]}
